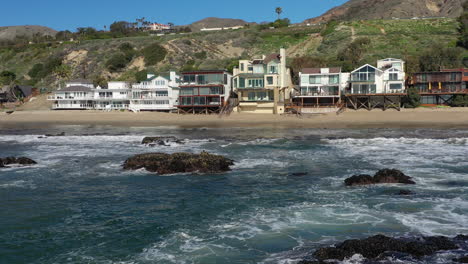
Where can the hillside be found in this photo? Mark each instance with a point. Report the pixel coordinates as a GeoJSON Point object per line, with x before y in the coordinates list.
{"type": "Point", "coordinates": [12, 32]}
{"type": "Point", "coordinates": [222, 49]}
{"type": "Point", "coordinates": [214, 22]}
{"type": "Point", "coordinates": [388, 9]}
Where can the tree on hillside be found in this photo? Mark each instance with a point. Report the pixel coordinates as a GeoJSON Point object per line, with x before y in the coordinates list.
{"type": "Point", "coordinates": [440, 57]}
{"type": "Point", "coordinates": [7, 77]}
{"type": "Point", "coordinates": [141, 22]}
{"type": "Point", "coordinates": [278, 11]}
{"type": "Point", "coordinates": [121, 27]}
{"type": "Point", "coordinates": [154, 53]}
{"type": "Point", "coordinates": [463, 29]}
{"type": "Point", "coordinates": [352, 55]}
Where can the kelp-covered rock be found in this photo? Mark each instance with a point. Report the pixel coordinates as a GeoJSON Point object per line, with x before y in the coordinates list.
{"type": "Point", "coordinates": [404, 192]}
{"type": "Point", "coordinates": [23, 161]}
{"type": "Point", "coordinates": [462, 259]}
{"type": "Point", "coordinates": [161, 141]}
{"type": "Point", "coordinates": [382, 176]}
{"type": "Point", "coordinates": [373, 247]}
{"type": "Point", "coordinates": [163, 163]}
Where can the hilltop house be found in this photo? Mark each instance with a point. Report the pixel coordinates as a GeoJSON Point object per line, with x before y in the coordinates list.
{"type": "Point", "coordinates": [204, 91]}
{"type": "Point", "coordinates": [440, 88]}
{"type": "Point", "coordinates": [156, 93]}
{"type": "Point", "coordinates": [321, 87]}
{"type": "Point", "coordinates": [263, 85]}
{"type": "Point", "coordinates": [157, 27]}
{"type": "Point", "coordinates": [387, 78]}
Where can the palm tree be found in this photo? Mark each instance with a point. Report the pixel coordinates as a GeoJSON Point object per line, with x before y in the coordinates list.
{"type": "Point", "coordinates": [279, 10]}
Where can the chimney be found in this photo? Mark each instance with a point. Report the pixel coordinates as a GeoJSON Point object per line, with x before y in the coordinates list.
{"type": "Point", "coordinates": [283, 72]}
{"type": "Point", "coordinates": [173, 76]}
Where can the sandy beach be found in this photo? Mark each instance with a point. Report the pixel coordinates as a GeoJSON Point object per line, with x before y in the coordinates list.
{"type": "Point", "coordinates": [407, 118]}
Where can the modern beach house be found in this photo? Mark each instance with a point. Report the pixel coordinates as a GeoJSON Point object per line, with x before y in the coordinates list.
{"type": "Point", "coordinates": [440, 88]}
{"type": "Point", "coordinates": [114, 97]}
{"type": "Point", "coordinates": [156, 93]}
{"type": "Point", "coordinates": [204, 92]}
{"type": "Point", "coordinates": [320, 88]}
{"type": "Point", "coordinates": [381, 86]}
{"type": "Point", "coordinates": [77, 94]}
{"type": "Point", "coordinates": [263, 85]}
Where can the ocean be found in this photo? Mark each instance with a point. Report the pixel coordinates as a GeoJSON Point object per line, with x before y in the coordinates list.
{"type": "Point", "coordinates": [77, 205]}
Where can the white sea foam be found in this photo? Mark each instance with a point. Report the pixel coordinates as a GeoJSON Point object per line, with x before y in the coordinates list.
{"type": "Point", "coordinates": [252, 163]}
{"type": "Point", "coordinates": [19, 184]}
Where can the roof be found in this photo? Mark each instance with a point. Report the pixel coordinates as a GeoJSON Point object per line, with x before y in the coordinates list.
{"type": "Point", "coordinates": [25, 89]}
{"type": "Point", "coordinates": [80, 81]}
{"type": "Point", "coordinates": [271, 57]}
{"type": "Point", "coordinates": [257, 62]}
{"type": "Point", "coordinates": [75, 89]}
{"type": "Point", "coordinates": [319, 70]}
{"type": "Point", "coordinates": [365, 66]}
{"type": "Point", "coordinates": [206, 72]}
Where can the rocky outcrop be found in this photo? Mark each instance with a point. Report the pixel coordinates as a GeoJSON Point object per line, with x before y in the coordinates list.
{"type": "Point", "coordinates": [404, 192]}
{"type": "Point", "coordinates": [374, 247]}
{"type": "Point", "coordinates": [163, 163]}
{"type": "Point", "coordinates": [382, 176]}
{"type": "Point", "coordinates": [22, 161]}
{"type": "Point", "coordinates": [161, 141]}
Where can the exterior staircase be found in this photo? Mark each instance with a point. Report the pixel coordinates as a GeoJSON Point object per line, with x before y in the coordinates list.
{"type": "Point", "coordinates": [229, 106]}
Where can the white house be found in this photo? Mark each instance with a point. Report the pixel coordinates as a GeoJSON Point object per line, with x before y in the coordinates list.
{"type": "Point", "coordinates": [387, 77]}
{"type": "Point", "coordinates": [77, 94]}
{"type": "Point", "coordinates": [321, 87]}
{"type": "Point", "coordinates": [114, 97]}
{"type": "Point", "coordinates": [157, 93]}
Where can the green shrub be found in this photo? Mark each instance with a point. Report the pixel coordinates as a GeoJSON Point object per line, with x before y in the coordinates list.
{"type": "Point", "coordinates": [36, 71]}
{"type": "Point", "coordinates": [141, 75]}
{"type": "Point", "coordinates": [154, 54]}
{"type": "Point", "coordinates": [413, 98]}
{"type": "Point", "coordinates": [200, 55]}
{"type": "Point", "coordinates": [117, 62]}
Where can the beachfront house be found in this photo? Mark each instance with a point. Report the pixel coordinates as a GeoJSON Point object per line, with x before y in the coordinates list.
{"type": "Point", "coordinates": [204, 92]}
{"type": "Point", "coordinates": [156, 93]}
{"type": "Point", "coordinates": [76, 95]}
{"type": "Point", "coordinates": [112, 97]}
{"type": "Point", "coordinates": [387, 78]}
{"type": "Point", "coordinates": [263, 85]}
{"type": "Point", "coordinates": [440, 88]}
{"type": "Point", "coordinates": [321, 87]}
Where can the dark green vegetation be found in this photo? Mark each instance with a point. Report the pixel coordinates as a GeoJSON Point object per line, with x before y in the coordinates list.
{"type": "Point", "coordinates": [425, 44]}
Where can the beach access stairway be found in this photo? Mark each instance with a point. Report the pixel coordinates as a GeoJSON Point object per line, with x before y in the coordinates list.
{"type": "Point", "coordinates": [229, 106]}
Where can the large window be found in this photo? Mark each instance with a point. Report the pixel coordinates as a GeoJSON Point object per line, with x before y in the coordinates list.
{"type": "Point", "coordinates": [189, 78]}
{"type": "Point", "coordinates": [241, 82]}
{"type": "Point", "coordinates": [186, 91]}
{"type": "Point", "coordinates": [162, 93]}
{"type": "Point", "coordinates": [255, 83]}
{"type": "Point", "coordinates": [260, 96]}
{"type": "Point", "coordinates": [270, 80]}
{"type": "Point", "coordinates": [393, 76]}
{"type": "Point", "coordinates": [364, 75]}
{"type": "Point", "coordinates": [453, 76]}
{"type": "Point", "coordinates": [204, 90]}
{"type": "Point", "coordinates": [396, 86]}
{"type": "Point", "coordinates": [186, 100]}
{"type": "Point", "coordinates": [315, 79]}
{"type": "Point", "coordinates": [199, 101]}
{"type": "Point", "coordinates": [424, 77]}
{"type": "Point", "coordinates": [333, 79]}
{"type": "Point", "coordinates": [215, 90]}
{"type": "Point", "coordinates": [273, 69]}
{"type": "Point", "coordinates": [364, 89]}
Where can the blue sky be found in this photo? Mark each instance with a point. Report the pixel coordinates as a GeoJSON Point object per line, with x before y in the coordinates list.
{"type": "Point", "coordinates": [69, 14]}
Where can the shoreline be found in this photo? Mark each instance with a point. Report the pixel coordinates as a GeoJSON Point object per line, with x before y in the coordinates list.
{"type": "Point", "coordinates": [451, 118]}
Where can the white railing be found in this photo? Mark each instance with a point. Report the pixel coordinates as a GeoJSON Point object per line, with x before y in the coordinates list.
{"type": "Point", "coordinates": [55, 97]}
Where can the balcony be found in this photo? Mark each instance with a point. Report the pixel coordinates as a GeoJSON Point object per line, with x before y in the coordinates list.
{"type": "Point", "coordinates": [57, 97]}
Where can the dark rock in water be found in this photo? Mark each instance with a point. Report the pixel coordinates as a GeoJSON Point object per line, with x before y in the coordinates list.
{"type": "Point", "coordinates": [16, 161]}
{"type": "Point", "coordinates": [362, 179]}
{"type": "Point", "coordinates": [405, 192]}
{"type": "Point", "coordinates": [392, 176]}
{"type": "Point", "coordinates": [162, 163]}
{"type": "Point", "coordinates": [462, 259]}
{"type": "Point", "coordinates": [382, 176]}
{"type": "Point", "coordinates": [299, 174]}
{"type": "Point", "coordinates": [373, 247]}
{"type": "Point", "coordinates": [161, 141]}
{"type": "Point", "coordinates": [461, 237]}
{"type": "Point", "coordinates": [56, 135]}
